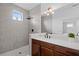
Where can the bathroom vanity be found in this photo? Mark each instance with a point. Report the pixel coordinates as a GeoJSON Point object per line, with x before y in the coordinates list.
{"type": "Point", "coordinates": [41, 48]}
{"type": "Point", "coordinates": [53, 47]}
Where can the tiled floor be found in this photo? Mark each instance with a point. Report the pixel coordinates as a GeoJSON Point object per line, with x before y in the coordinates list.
{"type": "Point", "coordinates": [23, 51]}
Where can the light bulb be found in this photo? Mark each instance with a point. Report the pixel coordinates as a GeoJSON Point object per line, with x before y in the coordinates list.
{"type": "Point", "coordinates": [47, 14]}
{"type": "Point", "coordinates": [52, 12]}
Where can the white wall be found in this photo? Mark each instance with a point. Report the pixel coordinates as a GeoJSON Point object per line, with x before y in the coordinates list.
{"type": "Point", "coordinates": [13, 34]}
{"type": "Point", "coordinates": [63, 14]}
{"type": "Point", "coordinates": [57, 26]}
{"type": "Point", "coordinates": [36, 21]}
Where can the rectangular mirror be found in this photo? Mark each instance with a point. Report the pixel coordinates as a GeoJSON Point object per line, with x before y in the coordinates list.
{"type": "Point", "coordinates": [46, 24]}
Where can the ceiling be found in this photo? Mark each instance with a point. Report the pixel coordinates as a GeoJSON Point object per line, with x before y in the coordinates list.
{"type": "Point", "coordinates": [55, 6]}
{"type": "Point", "coordinates": [27, 6]}
{"type": "Point", "coordinates": [44, 6]}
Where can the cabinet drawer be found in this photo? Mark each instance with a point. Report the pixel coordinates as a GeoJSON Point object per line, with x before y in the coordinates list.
{"type": "Point", "coordinates": [35, 41]}
{"type": "Point", "coordinates": [47, 45]}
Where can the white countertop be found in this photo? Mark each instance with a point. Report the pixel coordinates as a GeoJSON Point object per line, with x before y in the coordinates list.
{"type": "Point", "coordinates": [61, 40]}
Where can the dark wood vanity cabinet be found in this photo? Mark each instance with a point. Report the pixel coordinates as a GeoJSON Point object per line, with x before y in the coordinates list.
{"type": "Point", "coordinates": [46, 49]}
{"type": "Point", "coordinates": [40, 48]}
{"type": "Point", "coordinates": [46, 52]}
{"type": "Point", "coordinates": [35, 48]}
{"type": "Point", "coordinates": [66, 51]}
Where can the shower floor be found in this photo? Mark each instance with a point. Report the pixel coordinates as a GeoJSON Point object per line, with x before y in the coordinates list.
{"type": "Point", "coordinates": [23, 51]}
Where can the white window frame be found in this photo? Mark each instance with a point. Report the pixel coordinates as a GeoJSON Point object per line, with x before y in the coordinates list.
{"type": "Point", "coordinates": [17, 15]}
{"type": "Point", "coordinates": [69, 25]}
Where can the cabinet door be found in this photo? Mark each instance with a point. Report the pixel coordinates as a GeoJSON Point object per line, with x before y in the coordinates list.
{"type": "Point", "coordinates": [66, 51]}
{"type": "Point", "coordinates": [35, 50]}
{"type": "Point", "coordinates": [46, 51]}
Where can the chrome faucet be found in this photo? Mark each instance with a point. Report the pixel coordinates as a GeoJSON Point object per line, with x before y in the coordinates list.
{"type": "Point", "coordinates": [77, 34]}
{"type": "Point", "coordinates": [47, 36]}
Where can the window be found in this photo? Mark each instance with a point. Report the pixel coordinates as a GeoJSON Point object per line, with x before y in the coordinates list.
{"type": "Point", "coordinates": [17, 15]}
{"type": "Point", "coordinates": [69, 25]}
